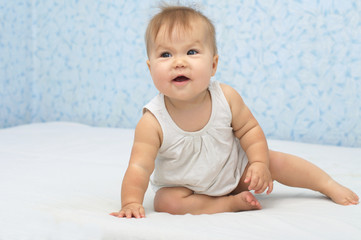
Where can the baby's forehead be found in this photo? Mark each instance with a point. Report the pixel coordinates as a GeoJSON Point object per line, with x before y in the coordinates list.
{"type": "Point", "coordinates": [179, 29]}
{"type": "Point", "coordinates": [163, 29]}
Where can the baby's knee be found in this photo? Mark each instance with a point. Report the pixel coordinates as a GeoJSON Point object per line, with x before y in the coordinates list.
{"type": "Point", "coordinates": [276, 158]}
{"type": "Point", "coordinates": [276, 162]}
{"type": "Point", "coordinates": [168, 200]}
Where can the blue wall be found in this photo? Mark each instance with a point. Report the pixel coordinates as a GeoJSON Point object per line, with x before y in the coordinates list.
{"type": "Point", "coordinates": [296, 63]}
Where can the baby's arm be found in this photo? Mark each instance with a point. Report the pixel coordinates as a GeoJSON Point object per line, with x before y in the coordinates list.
{"type": "Point", "coordinates": [252, 140]}
{"type": "Point", "coordinates": [147, 140]}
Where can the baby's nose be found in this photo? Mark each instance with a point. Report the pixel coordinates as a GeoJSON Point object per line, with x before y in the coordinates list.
{"type": "Point", "coordinates": [180, 62]}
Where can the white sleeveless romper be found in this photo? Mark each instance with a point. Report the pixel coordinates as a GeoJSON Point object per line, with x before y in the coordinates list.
{"type": "Point", "coordinates": [210, 161]}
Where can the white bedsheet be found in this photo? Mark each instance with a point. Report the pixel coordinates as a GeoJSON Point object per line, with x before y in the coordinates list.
{"type": "Point", "coordinates": [61, 180]}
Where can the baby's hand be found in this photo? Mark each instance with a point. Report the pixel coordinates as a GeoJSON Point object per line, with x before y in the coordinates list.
{"type": "Point", "coordinates": [130, 210]}
{"type": "Point", "coordinates": [259, 178]}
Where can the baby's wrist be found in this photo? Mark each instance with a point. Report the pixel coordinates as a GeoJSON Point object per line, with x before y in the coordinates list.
{"type": "Point", "coordinates": [260, 163]}
{"type": "Point", "coordinates": [257, 162]}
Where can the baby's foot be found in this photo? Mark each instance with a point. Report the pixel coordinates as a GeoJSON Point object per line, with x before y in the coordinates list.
{"type": "Point", "coordinates": [341, 195]}
{"type": "Point", "coordinates": [245, 201]}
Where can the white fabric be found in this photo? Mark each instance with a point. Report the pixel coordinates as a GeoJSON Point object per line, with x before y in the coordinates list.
{"type": "Point", "coordinates": [209, 161]}
{"type": "Point", "coordinates": [60, 181]}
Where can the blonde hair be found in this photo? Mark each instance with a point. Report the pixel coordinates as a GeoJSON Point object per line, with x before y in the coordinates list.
{"type": "Point", "coordinates": [180, 16]}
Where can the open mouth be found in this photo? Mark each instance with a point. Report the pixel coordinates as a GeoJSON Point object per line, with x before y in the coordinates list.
{"type": "Point", "coordinates": [181, 79]}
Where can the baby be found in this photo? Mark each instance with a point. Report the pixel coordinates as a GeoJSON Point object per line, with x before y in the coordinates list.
{"type": "Point", "coordinates": [200, 141]}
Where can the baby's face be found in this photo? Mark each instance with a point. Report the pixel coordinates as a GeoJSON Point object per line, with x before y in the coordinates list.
{"type": "Point", "coordinates": [182, 63]}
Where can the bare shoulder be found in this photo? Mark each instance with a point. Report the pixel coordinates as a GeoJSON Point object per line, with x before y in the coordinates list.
{"type": "Point", "coordinates": [232, 96]}
{"type": "Point", "coordinates": [242, 118]}
{"type": "Point", "coordinates": [148, 130]}
{"type": "Point", "coordinates": [147, 141]}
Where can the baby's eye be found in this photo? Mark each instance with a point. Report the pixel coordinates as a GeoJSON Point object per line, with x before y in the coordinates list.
{"type": "Point", "coordinates": [166, 55]}
{"type": "Point", "coordinates": [192, 52]}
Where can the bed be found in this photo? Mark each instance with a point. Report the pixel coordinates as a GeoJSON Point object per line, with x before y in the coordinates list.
{"type": "Point", "coordinates": [60, 180]}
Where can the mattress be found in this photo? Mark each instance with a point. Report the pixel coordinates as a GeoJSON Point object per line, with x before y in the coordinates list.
{"type": "Point", "coordinates": [60, 180]}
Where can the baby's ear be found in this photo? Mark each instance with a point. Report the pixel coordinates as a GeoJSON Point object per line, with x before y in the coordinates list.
{"type": "Point", "coordinates": [148, 64]}
{"type": "Point", "coordinates": [215, 64]}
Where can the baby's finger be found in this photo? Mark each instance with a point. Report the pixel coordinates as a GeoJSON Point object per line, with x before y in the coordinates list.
{"type": "Point", "coordinates": [261, 187]}
{"type": "Point", "coordinates": [142, 212]}
{"type": "Point", "coordinates": [248, 177]}
{"type": "Point", "coordinates": [264, 187]}
{"type": "Point", "coordinates": [128, 213]}
{"type": "Point", "coordinates": [120, 214]}
{"type": "Point", "coordinates": [136, 213]}
{"type": "Point", "coordinates": [114, 214]}
{"type": "Point", "coordinates": [270, 187]}
{"type": "Point", "coordinates": [254, 183]}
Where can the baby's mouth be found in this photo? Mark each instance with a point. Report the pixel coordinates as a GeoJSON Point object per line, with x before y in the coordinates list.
{"type": "Point", "coordinates": [181, 79]}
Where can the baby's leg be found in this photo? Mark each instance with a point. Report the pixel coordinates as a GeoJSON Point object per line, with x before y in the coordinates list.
{"type": "Point", "coordinates": [179, 200]}
{"type": "Point", "coordinates": [297, 172]}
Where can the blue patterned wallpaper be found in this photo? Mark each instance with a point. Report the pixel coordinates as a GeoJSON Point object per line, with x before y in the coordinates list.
{"type": "Point", "coordinates": [296, 63]}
